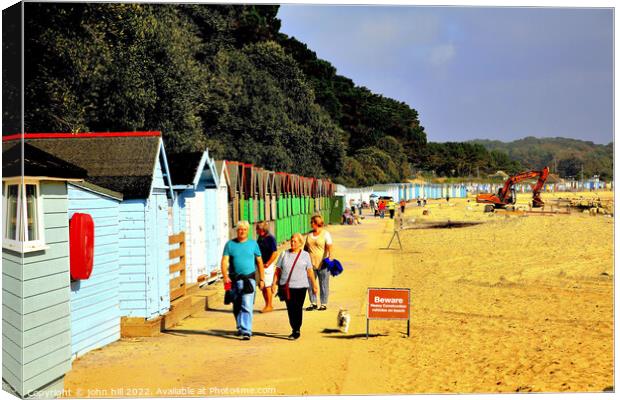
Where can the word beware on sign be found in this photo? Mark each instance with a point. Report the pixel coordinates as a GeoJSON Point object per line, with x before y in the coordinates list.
{"type": "Point", "coordinates": [388, 303]}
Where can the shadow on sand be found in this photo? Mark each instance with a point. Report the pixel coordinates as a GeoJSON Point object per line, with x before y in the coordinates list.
{"type": "Point", "coordinates": [226, 334]}
{"type": "Point", "coordinates": [355, 336]}
{"type": "Point", "coordinates": [229, 310]}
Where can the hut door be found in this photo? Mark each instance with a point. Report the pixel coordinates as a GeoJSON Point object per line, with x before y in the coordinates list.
{"type": "Point", "coordinates": [223, 222]}
{"type": "Point", "coordinates": [160, 247]}
{"type": "Point", "coordinates": [209, 218]}
{"type": "Point", "coordinates": [196, 256]}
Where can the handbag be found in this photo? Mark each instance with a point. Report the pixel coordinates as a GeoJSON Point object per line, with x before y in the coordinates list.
{"type": "Point", "coordinates": [284, 292]}
{"type": "Point", "coordinates": [229, 297]}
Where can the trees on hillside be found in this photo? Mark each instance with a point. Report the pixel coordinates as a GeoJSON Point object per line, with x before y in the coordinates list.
{"type": "Point", "coordinates": [223, 77]}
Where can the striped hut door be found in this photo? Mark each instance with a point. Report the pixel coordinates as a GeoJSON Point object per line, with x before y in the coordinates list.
{"type": "Point", "coordinates": [315, 194]}
{"type": "Point", "coordinates": [258, 194]}
{"type": "Point", "coordinates": [272, 191]}
{"type": "Point", "coordinates": [232, 169]}
{"type": "Point", "coordinates": [266, 198]}
{"type": "Point", "coordinates": [267, 195]}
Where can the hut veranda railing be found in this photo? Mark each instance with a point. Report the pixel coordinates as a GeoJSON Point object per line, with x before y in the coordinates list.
{"type": "Point", "coordinates": [177, 269]}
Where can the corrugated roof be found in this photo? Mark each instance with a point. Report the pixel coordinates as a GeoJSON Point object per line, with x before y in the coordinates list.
{"type": "Point", "coordinates": [123, 164]}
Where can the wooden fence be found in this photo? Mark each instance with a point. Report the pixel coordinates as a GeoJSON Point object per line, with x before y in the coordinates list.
{"type": "Point", "coordinates": [177, 281]}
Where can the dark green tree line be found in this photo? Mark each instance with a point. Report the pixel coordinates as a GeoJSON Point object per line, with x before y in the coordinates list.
{"type": "Point", "coordinates": [223, 77]}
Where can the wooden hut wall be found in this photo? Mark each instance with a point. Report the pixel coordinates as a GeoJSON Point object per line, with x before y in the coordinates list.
{"type": "Point", "coordinates": [36, 317]}
{"type": "Point", "coordinates": [95, 303]}
{"type": "Point", "coordinates": [273, 205]}
{"type": "Point", "coordinates": [143, 253]}
{"type": "Point", "coordinates": [286, 201]}
{"type": "Point", "coordinates": [232, 174]}
{"type": "Point", "coordinates": [260, 194]}
{"type": "Point", "coordinates": [254, 208]}
{"type": "Point", "coordinates": [223, 217]}
{"type": "Point", "coordinates": [212, 254]}
{"type": "Point", "coordinates": [241, 192]}
{"type": "Point", "coordinates": [196, 206]}
{"type": "Point", "coordinates": [266, 196]}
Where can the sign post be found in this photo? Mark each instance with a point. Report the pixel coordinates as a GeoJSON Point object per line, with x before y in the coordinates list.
{"type": "Point", "coordinates": [388, 303]}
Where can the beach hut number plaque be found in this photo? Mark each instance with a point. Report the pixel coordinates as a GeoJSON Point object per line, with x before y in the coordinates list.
{"type": "Point", "coordinates": [388, 303]}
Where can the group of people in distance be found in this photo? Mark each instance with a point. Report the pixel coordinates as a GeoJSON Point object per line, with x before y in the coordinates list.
{"type": "Point", "coordinates": [379, 207]}
{"type": "Point", "coordinates": [246, 262]}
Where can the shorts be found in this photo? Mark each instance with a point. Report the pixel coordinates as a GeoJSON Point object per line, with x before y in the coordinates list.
{"type": "Point", "coordinates": [269, 273]}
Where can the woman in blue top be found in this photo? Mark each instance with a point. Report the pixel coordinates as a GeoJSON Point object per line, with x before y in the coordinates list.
{"type": "Point", "coordinates": [298, 281]}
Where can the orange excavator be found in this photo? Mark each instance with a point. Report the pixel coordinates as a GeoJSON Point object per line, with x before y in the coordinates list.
{"type": "Point", "coordinates": [507, 195]}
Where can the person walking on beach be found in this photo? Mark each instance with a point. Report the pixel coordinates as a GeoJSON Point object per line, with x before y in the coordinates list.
{"type": "Point", "coordinates": [403, 203]}
{"type": "Point", "coordinates": [381, 208]}
{"type": "Point", "coordinates": [269, 253]}
{"type": "Point", "coordinates": [320, 246]}
{"type": "Point", "coordinates": [373, 207]}
{"type": "Point", "coordinates": [242, 267]}
{"type": "Point", "coordinates": [295, 268]}
{"type": "Point", "coordinates": [391, 208]}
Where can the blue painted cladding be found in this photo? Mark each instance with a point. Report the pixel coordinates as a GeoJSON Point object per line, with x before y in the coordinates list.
{"type": "Point", "coordinates": [95, 302]}
{"type": "Point", "coordinates": [36, 343]}
{"type": "Point", "coordinates": [178, 212]}
{"type": "Point", "coordinates": [158, 267]}
{"type": "Point", "coordinates": [158, 176]}
{"type": "Point", "coordinates": [143, 257]}
{"type": "Point", "coordinates": [211, 225]}
{"type": "Point", "coordinates": [132, 258]}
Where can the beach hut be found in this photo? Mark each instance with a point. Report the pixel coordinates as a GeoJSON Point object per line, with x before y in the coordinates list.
{"type": "Point", "coordinates": [222, 218]}
{"type": "Point", "coordinates": [36, 294]}
{"type": "Point", "coordinates": [202, 191]}
{"type": "Point", "coordinates": [233, 181]}
{"type": "Point", "coordinates": [191, 173]}
{"type": "Point", "coordinates": [133, 164]}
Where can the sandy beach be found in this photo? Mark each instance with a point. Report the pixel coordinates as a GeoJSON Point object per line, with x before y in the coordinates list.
{"type": "Point", "coordinates": [518, 303]}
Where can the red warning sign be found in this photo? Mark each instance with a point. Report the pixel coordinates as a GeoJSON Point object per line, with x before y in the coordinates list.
{"type": "Point", "coordinates": [388, 303]}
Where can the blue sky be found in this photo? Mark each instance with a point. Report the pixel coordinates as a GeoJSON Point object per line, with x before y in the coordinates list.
{"type": "Point", "coordinates": [473, 72]}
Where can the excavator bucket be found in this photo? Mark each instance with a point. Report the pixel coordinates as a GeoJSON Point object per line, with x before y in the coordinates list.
{"type": "Point", "coordinates": [537, 201]}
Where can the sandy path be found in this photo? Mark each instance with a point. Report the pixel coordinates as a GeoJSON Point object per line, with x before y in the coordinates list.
{"type": "Point", "coordinates": [201, 351]}
{"type": "Point", "coordinates": [515, 304]}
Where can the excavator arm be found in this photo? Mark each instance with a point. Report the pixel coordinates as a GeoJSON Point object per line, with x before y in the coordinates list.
{"type": "Point", "coordinates": [506, 196]}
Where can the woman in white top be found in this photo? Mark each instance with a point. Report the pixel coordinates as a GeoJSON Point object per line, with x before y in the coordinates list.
{"type": "Point", "coordinates": [320, 246]}
{"type": "Point", "coordinates": [297, 281]}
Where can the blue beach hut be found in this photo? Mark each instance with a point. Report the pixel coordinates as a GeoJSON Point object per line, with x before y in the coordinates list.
{"type": "Point", "coordinates": [134, 165]}
{"type": "Point", "coordinates": [196, 181]}
{"type": "Point", "coordinates": [36, 309]}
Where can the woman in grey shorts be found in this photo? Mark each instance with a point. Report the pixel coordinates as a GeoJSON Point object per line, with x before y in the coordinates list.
{"type": "Point", "coordinates": [298, 283]}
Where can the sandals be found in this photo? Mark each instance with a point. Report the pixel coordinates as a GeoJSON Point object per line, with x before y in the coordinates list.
{"type": "Point", "coordinates": [311, 308]}
{"type": "Point", "coordinates": [323, 307]}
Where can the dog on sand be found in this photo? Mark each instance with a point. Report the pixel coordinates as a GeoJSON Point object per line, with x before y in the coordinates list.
{"type": "Point", "coordinates": [344, 319]}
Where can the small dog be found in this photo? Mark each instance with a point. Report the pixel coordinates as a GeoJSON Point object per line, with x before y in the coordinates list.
{"type": "Point", "coordinates": [344, 318]}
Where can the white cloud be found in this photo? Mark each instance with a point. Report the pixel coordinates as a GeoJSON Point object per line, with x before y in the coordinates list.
{"type": "Point", "coordinates": [442, 54]}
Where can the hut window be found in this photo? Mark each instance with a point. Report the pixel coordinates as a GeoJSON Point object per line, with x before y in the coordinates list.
{"type": "Point", "coordinates": [22, 229]}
